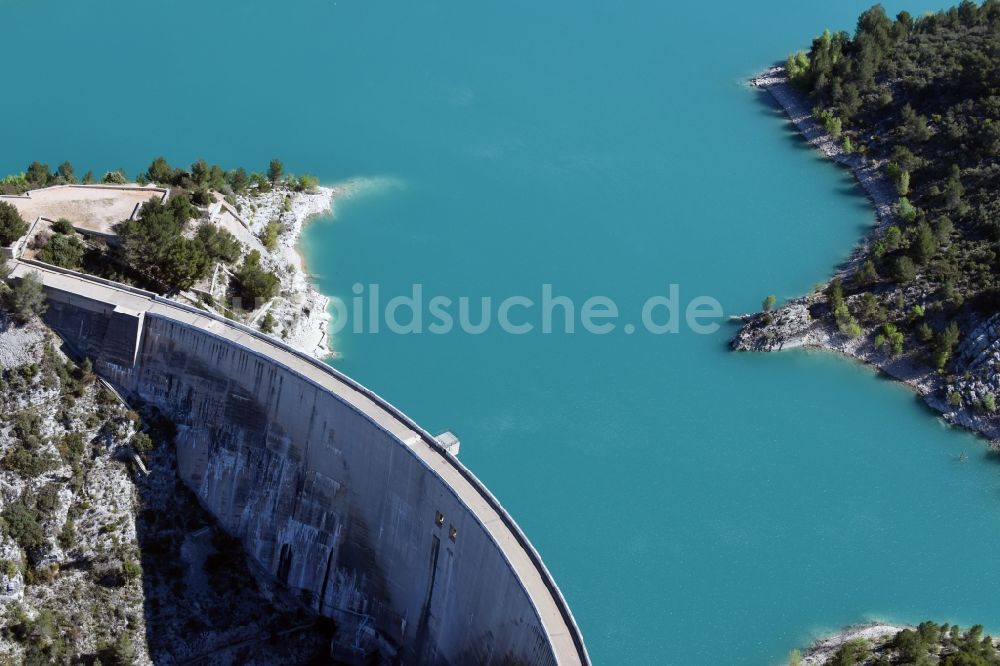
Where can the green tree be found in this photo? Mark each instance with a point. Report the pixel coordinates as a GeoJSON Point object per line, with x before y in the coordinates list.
{"type": "Point", "coordinates": [866, 275]}
{"type": "Point", "coordinates": [925, 244]}
{"type": "Point", "coordinates": [795, 658]}
{"type": "Point", "coordinates": [161, 172]}
{"type": "Point", "coordinates": [953, 189]}
{"type": "Point", "coordinates": [275, 170]}
{"type": "Point", "coordinates": [66, 172]}
{"type": "Point", "coordinates": [797, 67]}
{"type": "Point", "coordinates": [238, 180]}
{"type": "Point", "coordinates": [869, 309]}
{"type": "Point", "coordinates": [253, 283]}
{"type": "Point", "coordinates": [906, 210]}
{"type": "Point", "coordinates": [943, 228]}
{"type": "Point", "coordinates": [154, 245]}
{"type": "Point", "coordinates": [769, 303]}
{"type": "Point", "coordinates": [944, 344]}
{"type": "Point", "coordinates": [268, 323]}
{"type": "Point", "coordinates": [914, 125]}
{"type": "Point", "coordinates": [27, 299]}
{"type": "Point", "coordinates": [200, 173]}
{"type": "Point", "coordinates": [892, 337]}
{"type": "Point", "coordinates": [905, 270]}
{"type": "Point", "coordinates": [38, 174]}
{"type": "Point", "coordinates": [12, 226]}
{"type": "Point", "coordinates": [835, 293]}
{"type": "Point", "coordinates": [269, 235]}
{"type": "Point", "coordinates": [219, 243]}
{"type": "Point", "coordinates": [852, 653]}
{"type": "Point", "coordinates": [893, 238]}
{"type": "Point", "coordinates": [911, 646]}
{"type": "Point", "coordinates": [903, 184]}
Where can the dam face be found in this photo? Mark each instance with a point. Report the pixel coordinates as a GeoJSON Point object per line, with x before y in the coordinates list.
{"type": "Point", "coordinates": [331, 492]}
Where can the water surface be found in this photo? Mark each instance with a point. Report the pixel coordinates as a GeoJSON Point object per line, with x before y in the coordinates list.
{"type": "Point", "coordinates": [696, 506]}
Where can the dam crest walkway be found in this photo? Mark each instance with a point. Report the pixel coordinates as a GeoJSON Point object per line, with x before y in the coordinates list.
{"type": "Point", "coordinates": [556, 618]}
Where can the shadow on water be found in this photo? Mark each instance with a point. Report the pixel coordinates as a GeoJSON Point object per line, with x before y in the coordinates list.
{"type": "Point", "coordinates": [847, 185]}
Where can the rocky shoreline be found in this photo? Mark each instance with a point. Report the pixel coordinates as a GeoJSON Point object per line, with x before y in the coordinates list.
{"type": "Point", "coordinates": [870, 174]}
{"type": "Point", "coordinates": [805, 322]}
{"type": "Point", "coordinates": [876, 633]}
{"type": "Point", "coordinates": [301, 314]}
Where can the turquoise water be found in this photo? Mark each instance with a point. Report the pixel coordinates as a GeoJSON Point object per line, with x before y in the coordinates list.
{"type": "Point", "coordinates": [696, 506]}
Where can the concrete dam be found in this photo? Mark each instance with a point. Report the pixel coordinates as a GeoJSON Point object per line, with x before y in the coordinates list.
{"type": "Point", "coordinates": [332, 491]}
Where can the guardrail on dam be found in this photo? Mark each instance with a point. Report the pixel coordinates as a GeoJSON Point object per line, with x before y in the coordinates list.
{"type": "Point", "coordinates": [331, 489]}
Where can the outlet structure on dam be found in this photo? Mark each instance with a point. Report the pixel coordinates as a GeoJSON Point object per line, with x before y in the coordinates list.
{"type": "Point", "coordinates": [332, 491]}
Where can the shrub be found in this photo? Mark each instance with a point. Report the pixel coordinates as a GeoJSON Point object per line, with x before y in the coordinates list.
{"type": "Point", "coordinates": [944, 345]}
{"type": "Point", "coordinates": [307, 182]}
{"type": "Point", "coordinates": [116, 177]}
{"type": "Point", "coordinates": [851, 653]}
{"type": "Point", "coordinates": [131, 569]}
{"type": "Point", "coordinates": [892, 337]}
{"type": "Point", "coordinates": [269, 236]}
{"type": "Point", "coordinates": [893, 238]}
{"type": "Point", "coordinates": [24, 526]}
{"type": "Point", "coordinates": [906, 210]}
{"type": "Point", "coordinates": [142, 442]}
{"type": "Point", "coordinates": [869, 309]}
{"type": "Point", "coordinates": [866, 275]}
{"type": "Point", "coordinates": [12, 225]}
{"type": "Point", "coordinates": [925, 244]}
{"type": "Point", "coordinates": [27, 463]}
{"type": "Point", "coordinates": [219, 243]}
{"type": "Point", "coordinates": [202, 197]}
{"type": "Point", "coordinates": [62, 250]}
{"type": "Point", "coordinates": [27, 299]}
{"type": "Point", "coordinates": [66, 173]}
{"type": "Point", "coordinates": [62, 226]}
{"type": "Point", "coordinates": [905, 270]}
{"type": "Point", "coordinates": [253, 283]}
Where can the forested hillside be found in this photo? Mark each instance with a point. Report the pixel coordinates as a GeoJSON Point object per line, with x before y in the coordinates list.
{"type": "Point", "coordinates": [921, 97]}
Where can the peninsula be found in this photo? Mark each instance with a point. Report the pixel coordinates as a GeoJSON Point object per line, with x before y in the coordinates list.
{"type": "Point", "coordinates": [910, 106]}
{"type": "Point", "coordinates": [879, 644]}
{"type": "Point", "coordinates": [175, 453]}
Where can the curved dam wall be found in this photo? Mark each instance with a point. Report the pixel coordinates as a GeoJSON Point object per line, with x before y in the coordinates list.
{"type": "Point", "coordinates": [332, 491]}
